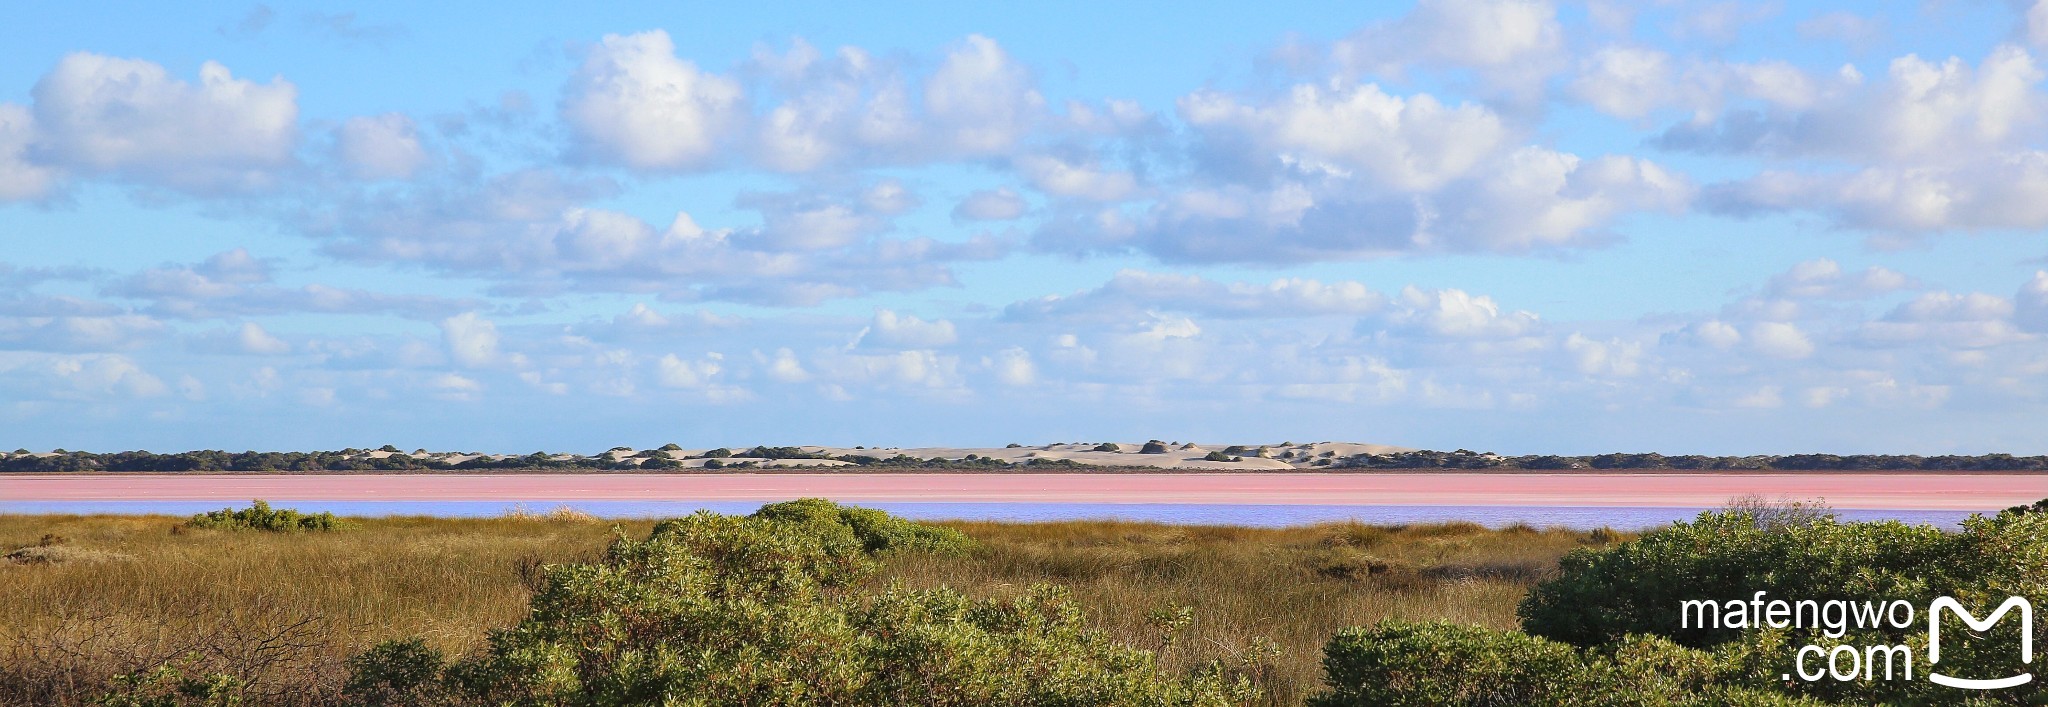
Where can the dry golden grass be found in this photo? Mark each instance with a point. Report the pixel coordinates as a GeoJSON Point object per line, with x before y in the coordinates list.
{"type": "Point", "coordinates": [105, 594]}
{"type": "Point", "coordinates": [1294, 587]}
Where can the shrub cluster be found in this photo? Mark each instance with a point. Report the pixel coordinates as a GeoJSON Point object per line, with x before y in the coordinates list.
{"type": "Point", "coordinates": [260, 516]}
{"type": "Point", "coordinates": [1609, 624]}
{"type": "Point", "coordinates": [1434, 664]}
{"type": "Point", "coordinates": [766, 609]}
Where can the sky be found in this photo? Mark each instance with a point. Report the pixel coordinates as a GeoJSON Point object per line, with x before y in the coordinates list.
{"type": "Point", "coordinates": [1504, 225]}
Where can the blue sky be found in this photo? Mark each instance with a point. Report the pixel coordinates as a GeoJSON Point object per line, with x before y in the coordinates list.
{"type": "Point", "coordinates": [1520, 226]}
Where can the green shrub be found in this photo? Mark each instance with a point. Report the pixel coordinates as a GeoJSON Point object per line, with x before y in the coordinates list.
{"type": "Point", "coordinates": [1108, 447]}
{"type": "Point", "coordinates": [169, 686]}
{"type": "Point", "coordinates": [877, 532]}
{"type": "Point", "coordinates": [404, 673]}
{"type": "Point", "coordinates": [1639, 586]}
{"type": "Point", "coordinates": [1153, 447]}
{"type": "Point", "coordinates": [1398, 663]}
{"type": "Point", "coordinates": [766, 609]}
{"type": "Point", "coordinates": [1219, 457]}
{"type": "Point", "coordinates": [260, 516]}
{"type": "Point", "coordinates": [1443, 664]}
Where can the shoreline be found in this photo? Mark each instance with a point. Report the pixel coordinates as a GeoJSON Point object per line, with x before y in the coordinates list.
{"type": "Point", "coordinates": [1960, 491]}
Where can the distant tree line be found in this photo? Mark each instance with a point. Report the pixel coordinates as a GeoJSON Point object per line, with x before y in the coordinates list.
{"type": "Point", "coordinates": [1462, 459]}
{"type": "Point", "coordinates": [355, 460]}
{"type": "Point", "coordinates": [1467, 459]}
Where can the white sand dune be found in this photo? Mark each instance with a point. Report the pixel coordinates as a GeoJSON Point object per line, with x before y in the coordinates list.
{"type": "Point", "coordinates": [1171, 455]}
{"type": "Point", "coordinates": [1177, 455]}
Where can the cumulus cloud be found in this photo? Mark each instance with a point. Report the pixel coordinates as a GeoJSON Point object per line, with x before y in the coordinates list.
{"type": "Point", "coordinates": [1510, 41]}
{"type": "Point", "coordinates": [471, 339]}
{"type": "Point", "coordinates": [890, 329]}
{"type": "Point", "coordinates": [1947, 319]}
{"type": "Point", "coordinates": [981, 100]}
{"type": "Point", "coordinates": [1531, 199]}
{"type": "Point", "coordinates": [1612, 357]}
{"type": "Point", "coordinates": [1930, 146]}
{"type": "Point", "coordinates": [105, 375]}
{"type": "Point", "coordinates": [1920, 110]}
{"type": "Point", "coordinates": [1779, 340]}
{"type": "Point", "coordinates": [1013, 367]}
{"type": "Point", "coordinates": [1133, 292]}
{"type": "Point", "coordinates": [380, 147]}
{"type": "Point", "coordinates": [1340, 171]}
{"type": "Point", "coordinates": [633, 102]}
{"type": "Point", "coordinates": [1998, 193]}
{"type": "Point", "coordinates": [132, 118]}
{"type": "Point", "coordinates": [1090, 181]}
{"type": "Point", "coordinates": [528, 231]}
{"type": "Point", "coordinates": [20, 178]}
{"type": "Point", "coordinates": [79, 333]}
{"type": "Point", "coordinates": [2030, 307]}
{"type": "Point", "coordinates": [236, 284]}
{"type": "Point", "coordinates": [675, 372]}
{"type": "Point", "coordinates": [1822, 278]}
{"type": "Point", "coordinates": [1456, 313]}
{"type": "Point", "coordinates": [990, 205]}
{"type": "Point", "coordinates": [1394, 142]}
{"type": "Point", "coordinates": [254, 339]}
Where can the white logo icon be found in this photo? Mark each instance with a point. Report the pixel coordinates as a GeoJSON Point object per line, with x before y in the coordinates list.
{"type": "Point", "coordinates": [1934, 641]}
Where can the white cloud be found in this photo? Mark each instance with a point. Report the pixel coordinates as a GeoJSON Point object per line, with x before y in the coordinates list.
{"type": "Point", "coordinates": [1613, 357]}
{"type": "Point", "coordinates": [1352, 172]}
{"type": "Point", "coordinates": [1769, 396]}
{"type": "Point", "coordinates": [635, 103]}
{"type": "Point", "coordinates": [527, 231]}
{"type": "Point", "coordinates": [675, 372]}
{"type": "Point", "coordinates": [1854, 29]}
{"type": "Point", "coordinates": [106, 375]}
{"type": "Point", "coordinates": [1628, 82]}
{"type": "Point", "coordinates": [471, 339]}
{"type": "Point", "coordinates": [21, 179]}
{"type": "Point", "coordinates": [1779, 340]}
{"type": "Point", "coordinates": [130, 117]}
{"type": "Point", "coordinates": [786, 368]}
{"type": "Point", "coordinates": [1456, 313]}
{"type": "Point", "coordinates": [990, 205]}
{"type": "Point", "coordinates": [380, 147]}
{"type": "Point", "coordinates": [909, 332]}
{"type": "Point", "coordinates": [1946, 320]}
{"type": "Point", "coordinates": [2035, 24]}
{"type": "Point", "coordinates": [1822, 278]}
{"type": "Point", "coordinates": [1920, 111]}
{"type": "Point", "coordinates": [254, 339]}
{"type": "Point", "coordinates": [1131, 292]}
{"type": "Point", "coordinates": [982, 101]}
{"type": "Point", "coordinates": [1401, 143]}
{"type": "Point", "coordinates": [452, 386]}
{"type": "Point", "coordinates": [1717, 334]}
{"type": "Point", "coordinates": [1059, 177]}
{"type": "Point", "coordinates": [1167, 326]}
{"type": "Point", "coordinates": [2030, 307]}
{"type": "Point", "coordinates": [1511, 41]}
{"type": "Point", "coordinates": [78, 333]}
{"type": "Point", "coordinates": [1013, 367]}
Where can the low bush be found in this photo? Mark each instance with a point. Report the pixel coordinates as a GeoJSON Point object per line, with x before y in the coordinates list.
{"type": "Point", "coordinates": [765, 609]}
{"type": "Point", "coordinates": [1397, 663]}
{"type": "Point", "coordinates": [260, 516]}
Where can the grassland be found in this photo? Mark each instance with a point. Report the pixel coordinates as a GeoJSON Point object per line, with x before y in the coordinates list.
{"type": "Point", "coordinates": [86, 597]}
